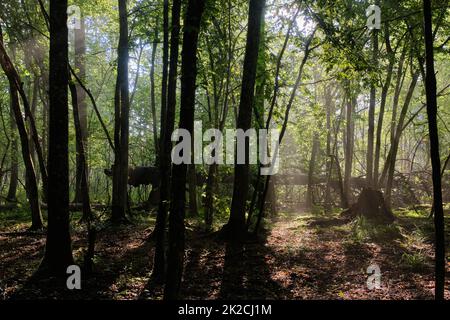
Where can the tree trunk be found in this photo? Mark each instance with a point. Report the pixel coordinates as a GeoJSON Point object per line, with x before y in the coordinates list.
{"type": "Point", "coordinates": [396, 98]}
{"type": "Point", "coordinates": [159, 262]}
{"type": "Point", "coordinates": [349, 146]}
{"type": "Point", "coordinates": [165, 67]}
{"type": "Point", "coordinates": [266, 188]}
{"type": "Point", "coordinates": [153, 98]}
{"type": "Point", "coordinates": [14, 176]}
{"type": "Point", "coordinates": [120, 175]}
{"type": "Point", "coordinates": [432, 109]}
{"type": "Point", "coordinates": [175, 256]}
{"type": "Point", "coordinates": [329, 161]}
{"type": "Point", "coordinates": [312, 165]}
{"type": "Point", "coordinates": [371, 127]}
{"type": "Point", "coordinates": [32, 189]}
{"type": "Point", "coordinates": [80, 68]}
{"type": "Point", "coordinates": [384, 93]}
{"type": "Point", "coordinates": [394, 147]}
{"type": "Point", "coordinates": [236, 225]}
{"type": "Point", "coordinates": [14, 77]}
{"type": "Point", "coordinates": [87, 214]}
{"type": "Point", "coordinates": [58, 251]}
{"type": "Point", "coordinates": [192, 175]}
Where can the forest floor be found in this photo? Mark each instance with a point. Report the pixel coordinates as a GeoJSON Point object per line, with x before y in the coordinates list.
{"type": "Point", "coordinates": [299, 256]}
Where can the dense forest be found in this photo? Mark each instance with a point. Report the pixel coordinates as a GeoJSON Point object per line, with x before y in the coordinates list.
{"type": "Point", "coordinates": [234, 149]}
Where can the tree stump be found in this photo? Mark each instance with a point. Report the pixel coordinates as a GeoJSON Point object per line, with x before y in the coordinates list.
{"type": "Point", "coordinates": [372, 206]}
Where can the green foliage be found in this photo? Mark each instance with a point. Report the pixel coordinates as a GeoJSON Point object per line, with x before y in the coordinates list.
{"type": "Point", "coordinates": [363, 231]}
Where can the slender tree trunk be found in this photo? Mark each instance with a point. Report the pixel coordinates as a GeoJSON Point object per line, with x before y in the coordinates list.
{"type": "Point", "coordinates": [392, 157]}
{"type": "Point", "coordinates": [262, 200]}
{"type": "Point", "coordinates": [192, 180]}
{"type": "Point", "coordinates": [371, 127]}
{"type": "Point", "coordinates": [80, 66]}
{"type": "Point", "coordinates": [159, 263]}
{"type": "Point", "coordinates": [312, 167]}
{"type": "Point", "coordinates": [213, 168]}
{"type": "Point", "coordinates": [432, 109]}
{"type": "Point", "coordinates": [236, 225]}
{"type": "Point", "coordinates": [30, 176]}
{"type": "Point", "coordinates": [165, 68]}
{"type": "Point", "coordinates": [349, 147]}
{"type": "Point", "coordinates": [384, 94]}
{"type": "Point", "coordinates": [14, 176]}
{"type": "Point", "coordinates": [152, 96]}
{"type": "Point", "coordinates": [210, 191]}
{"type": "Point", "coordinates": [14, 77]}
{"type": "Point", "coordinates": [58, 250]}
{"type": "Point", "coordinates": [329, 162]}
{"type": "Point", "coordinates": [84, 188]}
{"type": "Point", "coordinates": [396, 98]}
{"type": "Point", "coordinates": [175, 258]}
{"type": "Point", "coordinates": [120, 175]}
{"type": "Point", "coordinates": [34, 102]}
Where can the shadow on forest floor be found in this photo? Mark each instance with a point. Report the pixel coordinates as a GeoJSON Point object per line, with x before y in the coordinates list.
{"type": "Point", "coordinates": [300, 256]}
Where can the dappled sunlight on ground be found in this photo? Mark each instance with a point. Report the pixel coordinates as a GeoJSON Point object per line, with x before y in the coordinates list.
{"type": "Point", "coordinates": [300, 256]}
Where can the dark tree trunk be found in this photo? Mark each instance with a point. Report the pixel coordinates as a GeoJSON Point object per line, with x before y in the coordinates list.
{"type": "Point", "coordinates": [80, 68]}
{"type": "Point", "coordinates": [120, 169]}
{"type": "Point", "coordinates": [371, 126]}
{"type": "Point", "coordinates": [175, 258]}
{"type": "Point", "coordinates": [165, 68]}
{"type": "Point", "coordinates": [371, 205]}
{"type": "Point", "coordinates": [349, 147]}
{"type": "Point", "coordinates": [430, 87]}
{"type": "Point", "coordinates": [14, 78]}
{"type": "Point", "coordinates": [268, 182]}
{"type": "Point", "coordinates": [153, 98]}
{"type": "Point", "coordinates": [384, 93]}
{"type": "Point", "coordinates": [392, 157]}
{"type": "Point", "coordinates": [209, 200]}
{"type": "Point", "coordinates": [236, 225]}
{"type": "Point", "coordinates": [30, 176]}
{"type": "Point", "coordinates": [58, 250]}
{"type": "Point", "coordinates": [192, 181]}
{"type": "Point", "coordinates": [396, 98]}
{"type": "Point", "coordinates": [211, 183]}
{"type": "Point", "coordinates": [14, 176]}
{"type": "Point", "coordinates": [159, 264]}
{"type": "Point", "coordinates": [84, 188]}
{"type": "Point", "coordinates": [34, 102]}
{"type": "Point", "coordinates": [153, 197]}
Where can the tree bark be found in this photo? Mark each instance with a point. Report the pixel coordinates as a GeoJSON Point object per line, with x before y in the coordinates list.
{"type": "Point", "coordinates": [80, 68]}
{"type": "Point", "coordinates": [193, 205]}
{"type": "Point", "coordinates": [349, 146]}
{"type": "Point", "coordinates": [392, 157]}
{"type": "Point", "coordinates": [371, 126]}
{"type": "Point", "coordinates": [384, 93]}
{"type": "Point", "coordinates": [432, 109]}
{"type": "Point", "coordinates": [312, 168]}
{"type": "Point", "coordinates": [165, 67]}
{"type": "Point", "coordinates": [159, 261]}
{"type": "Point", "coordinates": [14, 176]}
{"type": "Point", "coordinates": [329, 161]}
{"type": "Point", "coordinates": [58, 251]}
{"type": "Point", "coordinates": [236, 225]}
{"type": "Point", "coordinates": [120, 169]}
{"type": "Point", "coordinates": [152, 96]}
{"type": "Point", "coordinates": [175, 256]}
{"type": "Point", "coordinates": [87, 214]}
{"type": "Point", "coordinates": [32, 189]}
